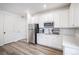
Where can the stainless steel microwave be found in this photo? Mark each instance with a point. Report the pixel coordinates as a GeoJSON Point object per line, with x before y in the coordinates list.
{"type": "Point", "coordinates": [49, 24]}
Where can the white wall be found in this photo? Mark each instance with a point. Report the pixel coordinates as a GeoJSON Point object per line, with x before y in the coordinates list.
{"type": "Point", "coordinates": [14, 26]}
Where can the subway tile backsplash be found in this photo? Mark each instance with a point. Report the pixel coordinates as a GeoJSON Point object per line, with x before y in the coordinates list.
{"type": "Point", "coordinates": [67, 32]}
{"type": "Point", "coordinates": [77, 32]}
{"type": "Point", "coordinates": [73, 32]}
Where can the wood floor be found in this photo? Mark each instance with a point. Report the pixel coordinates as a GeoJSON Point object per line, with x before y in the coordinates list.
{"type": "Point", "coordinates": [22, 48]}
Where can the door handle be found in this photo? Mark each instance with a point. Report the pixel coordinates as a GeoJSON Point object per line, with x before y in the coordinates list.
{"type": "Point", "coordinates": [4, 32]}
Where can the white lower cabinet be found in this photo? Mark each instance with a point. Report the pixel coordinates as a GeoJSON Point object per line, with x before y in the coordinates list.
{"type": "Point", "coordinates": [53, 41]}
{"type": "Point", "coordinates": [60, 18]}
{"type": "Point", "coordinates": [71, 51]}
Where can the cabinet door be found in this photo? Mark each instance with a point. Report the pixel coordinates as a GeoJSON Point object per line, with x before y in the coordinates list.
{"type": "Point", "coordinates": [64, 18]}
{"type": "Point", "coordinates": [71, 14]}
{"type": "Point", "coordinates": [56, 20]}
{"type": "Point", "coordinates": [1, 29]}
{"type": "Point", "coordinates": [14, 28]}
{"type": "Point", "coordinates": [61, 18]}
{"type": "Point", "coordinates": [74, 15]}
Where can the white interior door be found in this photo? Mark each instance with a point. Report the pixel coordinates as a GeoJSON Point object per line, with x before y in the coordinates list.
{"type": "Point", "coordinates": [9, 28]}
{"type": "Point", "coordinates": [1, 29]}
{"type": "Point", "coordinates": [14, 28]}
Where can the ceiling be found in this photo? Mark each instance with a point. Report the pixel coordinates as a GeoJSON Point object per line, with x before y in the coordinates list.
{"type": "Point", "coordinates": [33, 8]}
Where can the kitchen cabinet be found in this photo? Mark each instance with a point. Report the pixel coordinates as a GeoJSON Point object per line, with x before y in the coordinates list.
{"type": "Point", "coordinates": [74, 15]}
{"type": "Point", "coordinates": [42, 18]}
{"type": "Point", "coordinates": [61, 18]}
{"type": "Point", "coordinates": [50, 40]}
{"type": "Point", "coordinates": [71, 51]}
{"type": "Point", "coordinates": [56, 20]}
{"type": "Point", "coordinates": [71, 16]}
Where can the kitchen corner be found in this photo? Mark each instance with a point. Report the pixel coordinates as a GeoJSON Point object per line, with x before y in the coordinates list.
{"type": "Point", "coordinates": [71, 42]}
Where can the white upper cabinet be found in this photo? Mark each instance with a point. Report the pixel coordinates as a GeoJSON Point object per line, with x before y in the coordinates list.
{"type": "Point", "coordinates": [64, 18]}
{"type": "Point", "coordinates": [42, 18]}
{"type": "Point", "coordinates": [74, 15]}
{"type": "Point", "coordinates": [71, 14]}
{"type": "Point", "coordinates": [56, 20]}
{"type": "Point", "coordinates": [61, 18]}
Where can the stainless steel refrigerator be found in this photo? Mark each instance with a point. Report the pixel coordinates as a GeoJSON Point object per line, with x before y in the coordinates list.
{"type": "Point", "coordinates": [33, 30]}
